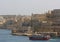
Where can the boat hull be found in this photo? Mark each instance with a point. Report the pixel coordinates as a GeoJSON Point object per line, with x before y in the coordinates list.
{"type": "Point", "coordinates": [31, 38]}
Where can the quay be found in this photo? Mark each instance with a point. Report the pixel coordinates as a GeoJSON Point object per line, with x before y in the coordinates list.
{"type": "Point", "coordinates": [21, 34]}
{"type": "Point", "coordinates": [28, 34]}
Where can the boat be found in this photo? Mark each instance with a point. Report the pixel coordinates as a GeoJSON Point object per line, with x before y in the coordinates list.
{"type": "Point", "coordinates": [39, 37]}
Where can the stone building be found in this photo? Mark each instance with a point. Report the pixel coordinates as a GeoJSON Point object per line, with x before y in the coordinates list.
{"type": "Point", "coordinates": [39, 22]}
{"type": "Point", "coordinates": [49, 22]}
{"type": "Point", "coordinates": [54, 20]}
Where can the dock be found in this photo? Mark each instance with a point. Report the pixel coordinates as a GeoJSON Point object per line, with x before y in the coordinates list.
{"type": "Point", "coordinates": [21, 34]}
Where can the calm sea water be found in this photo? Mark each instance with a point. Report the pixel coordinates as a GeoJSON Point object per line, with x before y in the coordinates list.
{"type": "Point", "coordinates": [5, 36]}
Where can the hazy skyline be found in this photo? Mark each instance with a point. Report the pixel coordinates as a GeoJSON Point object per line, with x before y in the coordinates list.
{"type": "Point", "coordinates": [27, 7]}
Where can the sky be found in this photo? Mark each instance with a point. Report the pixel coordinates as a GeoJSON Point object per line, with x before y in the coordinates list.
{"type": "Point", "coordinates": [27, 7]}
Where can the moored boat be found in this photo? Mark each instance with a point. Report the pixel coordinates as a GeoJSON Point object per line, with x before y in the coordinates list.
{"type": "Point", "coordinates": [39, 37]}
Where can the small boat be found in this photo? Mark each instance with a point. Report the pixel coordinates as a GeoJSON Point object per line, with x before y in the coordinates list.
{"type": "Point", "coordinates": [39, 37]}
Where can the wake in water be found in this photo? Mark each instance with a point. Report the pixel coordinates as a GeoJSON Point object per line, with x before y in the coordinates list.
{"type": "Point", "coordinates": [52, 39]}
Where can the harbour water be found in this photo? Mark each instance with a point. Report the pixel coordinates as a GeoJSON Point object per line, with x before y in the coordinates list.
{"type": "Point", "coordinates": [5, 36]}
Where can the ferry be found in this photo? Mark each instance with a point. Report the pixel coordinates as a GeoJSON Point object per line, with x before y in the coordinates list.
{"type": "Point", "coordinates": [39, 37]}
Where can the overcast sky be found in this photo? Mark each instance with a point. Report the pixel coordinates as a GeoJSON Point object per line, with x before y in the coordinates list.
{"type": "Point", "coordinates": [27, 7]}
